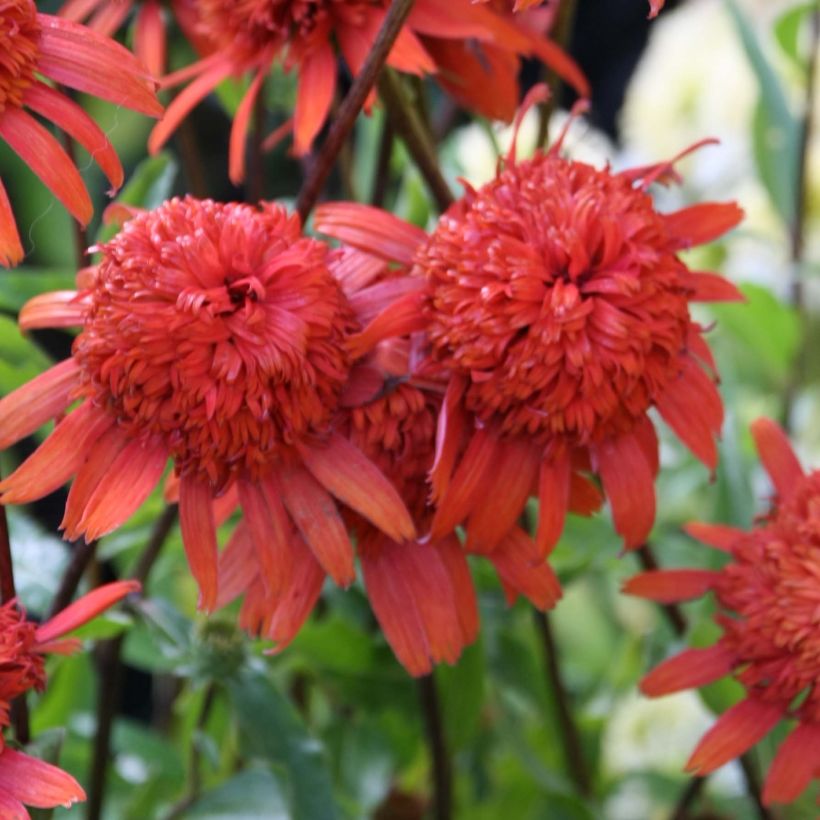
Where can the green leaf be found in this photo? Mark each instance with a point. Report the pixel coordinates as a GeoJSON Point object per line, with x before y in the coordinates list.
{"type": "Point", "coordinates": [273, 730]}
{"type": "Point", "coordinates": [20, 359]}
{"type": "Point", "coordinates": [19, 285]}
{"type": "Point", "coordinates": [461, 689]}
{"type": "Point", "coordinates": [788, 29]}
{"type": "Point", "coordinates": [775, 128]}
{"type": "Point", "coordinates": [255, 794]}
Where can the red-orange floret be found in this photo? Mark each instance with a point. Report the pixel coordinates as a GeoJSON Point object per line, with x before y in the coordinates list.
{"type": "Point", "coordinates": [769, 609]}
{"type": "Point", "coordinates": [19, 50]}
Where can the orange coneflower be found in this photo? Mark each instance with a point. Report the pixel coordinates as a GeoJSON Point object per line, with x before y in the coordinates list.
{"type": "Point", "coordinates": [555, 300]}
{"type": "Point", "coordinates": [213, 334]}
{"type": "Point", "coordinates": [33, 44]}
{"type": "Point", "coordinates": [768, 595]}
{"type": "Point", "coordinates": [25, 780]}
{"type": "Point", "coordinates": [246, 36]}
{"type": "Point", "coordinates": [106, 17]}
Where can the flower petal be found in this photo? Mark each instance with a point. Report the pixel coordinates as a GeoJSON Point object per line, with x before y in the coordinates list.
{"type": "Point", "coordinates": [736, 731]}
{"type": "Point", "coordinates": [719, 536]}
{"type": "Point", "coordinates": [237, 565]}
{"type": "Point", "coordinates": [520, 576]}
{"type": "Point", "coordinates": [797, 761]}
{"type": "Point", "coordinates": [317, 85]}
{"type": "Point", "coordinates": [403, 317]}
{"type": "Point", "coordinates": [450, 429]}
{"type": "Point", "coordinates": [36, 402]}
{"type": "Point", "coordinates": [688, 670]}
{"type": "Point", "coordinates": [701, 223]}
{"type": "Point", "coordinates": [709, 287]}
{"type": "Point", "coordinates": [239, 129]}
{"type": "Point", "coordinates": [57, 458]}
{"type": "Point", "coordinates": [11, 249]}
{"type": "Point", "coordinates": [777, 456]}
{"type": "Point", "coordinates": [553, 500]}
{"type": "Point", "coordinates": [668, 586]}
{"type": "Point", "coordinates": [84, 609]}
{"type": "Point", "coordinates": [196, 519]}
{"type": "Point", "coordinates": [47, 158]}
{"type": "Point", "coordinates": [35, 782]}
{"type": "Point", "coordinates": [150, 42]}
{"type": "Point", "coordinates": [59, 308]}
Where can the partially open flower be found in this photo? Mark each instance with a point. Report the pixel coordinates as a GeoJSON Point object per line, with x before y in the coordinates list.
{"type": "Point", "coordinates": [213, 334]}
{"type": "Point", "coordinates": [33, 44]}
{"type": "Point", "coordinates": [555, 301]}
{"type": "Point", "coordinates": [25, 780]}
{"type": "Point", "coordinates": [769, 598]}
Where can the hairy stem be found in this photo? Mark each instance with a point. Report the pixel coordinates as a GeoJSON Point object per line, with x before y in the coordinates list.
{"type": "Point", "coordinates": [352, 105]}
{"type": "Point", "coordinates": [442, 768]}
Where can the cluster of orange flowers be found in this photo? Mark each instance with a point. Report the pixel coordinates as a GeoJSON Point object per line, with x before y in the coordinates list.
{"type": "Point", "coordinates": [392, 388]}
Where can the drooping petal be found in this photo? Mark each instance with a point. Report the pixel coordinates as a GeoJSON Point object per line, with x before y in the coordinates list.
{"type": "Point", "coordinates": [149, 37]}
{"type": "Point", "coordinates": [688, 670]}
{"type": "Point", "coordinates": [239, 129]}
{"type": "Point", "coordinates": [316, 517]}
{"type": "Point", "coordinates": [736, 730]}
{"type": "Point", "coordinates": [514, 472]}
{"type": "Point", "coordinates": [317, 85]}
{"type": "Point", "coordinates": [47, 158]}
{"type": "Point", "coordinates": [403, 317]}
{"type": "Point", "coordinates": [59, 308]}
{"type": "Point", "coordinates": [237, 566]}
{"type": "Point", "coordinates": [464, 595]}
{"type": "Point", "coordinates": [57, 458]}
{"type": "Point", "coordinates": [668, 586]}
{"type": "Point", "coordinates": [553, 500]}
{"type": "Point", "coordinates": [11, 249]}
{"type": "Point", "coordinates": [11, 808]}
{"type": "Point", "coordinates": [776, 455]}
{"type": "Point", "coordinates": [84, 609]}
{"type": "Point", "coordinates": [797, 761]}
{"type": "Point", "coordinates": [370, 229]}
{"type": "Point", "coordinates": [69, 116]}
{"type": "Point", "coordinates": [629, 486]}
{"type": "Point", "coordinates": [77, 57]}
{"type": "Point", "coordinates": [513, 562]}
{"type": "Point", "coordinates": [36, 402]}
{"type": "Point", "coordinates": [35, 782]}
{"type": "Point", "coordinates": [709, 287]}
{"type": "Point", "coordinates": [131, 478]}
{"type": "Point", "coordinates": [473, 480]}
{"type": "Point", "coordinates": [450, 429]}
{"type": "Point", "coordinates": [196, 520]}
{"type": "Point", "coordinates": [719, 536]}
{"type": "Point", "coordinates": [350, 476]}
{"type": "Point", "coordinates": [698, 224]}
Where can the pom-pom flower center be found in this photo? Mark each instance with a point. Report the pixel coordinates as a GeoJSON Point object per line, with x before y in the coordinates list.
{"type": "Point", "coordinates": [19, 50]}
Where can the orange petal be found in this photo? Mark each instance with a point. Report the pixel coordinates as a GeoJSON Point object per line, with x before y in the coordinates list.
{"type": "Point", "coordinates": [69, 116]}
{"type": "Point", "coordinates": [59, 308]}
{"type": "Point", "coordinates": [269, 529]}
{"type": "Point", "coordinates": [316, 517]}
{"type": "Point", "coordinates": [150, 42]}
{"type": "Point", "coordinates": [668, 586]}
{"type": "Point", "coordinates": [403, 317]}
{"type": "Point", "coordinates": [584, 496]}
{"type": "Point", "coordinates": [317, 85]}
{"type": "Point", "coordinates": [348, 474]}
{"type": "Point", "coordinates": [450, 429]}
{"type": "Point", "coordinates": [553, 500]}
{"type": "Point", "coordinates": [196, 519]}
{"type": "Point", "coordinates": [11, 250]}
{"type": "Point", "coordinates": [654, 7]}
{"type": "Point", "coordinates": [777, 456]}
{"type": "Point", "coordinates": [36, 402]}
{"type": "Point", "coordinates": [709, 287]}
{"type": "Point", "coordinates": [57, 458]}
{"type": "Point", "coordinates": [797, 761]}
{"type": "Point", "coordinates": [461, 581]}
{"type": "Point", "coordinates": [47, 158]}
{"type": "Point", "coordinates": [239, 130]}
{"type": "Point", "coordinates": [736, 731]}
{"type": "Point", "coordinates": [237, 566]}
{"type": "Point", "coordinates": [473, 480]}
{"type": "Point", "coordinates": [77, 57]}
{"type": "Point", "coordinates": [495, 514]}
{"type": "Point", "coordinates": [519, 576]}
{"type": "Point", "coordinates": [719, 536]}
{"type": "Point", "coordinates": [701, 223]}
{"type": "Point", "coordinates": [130, 479]}
{"type": "Point", "coordinates": [369, 302]}
{"type": "Point", "coordinates": [628, 483]}
{"type": "Point", "coordinates": [688, 670]}
{"type": "Point", "coordinates": [35, 783]}
{"type": "Point", "coordinates": [370, 229]}
{"type": "Point", "coordinates": [84, 609]}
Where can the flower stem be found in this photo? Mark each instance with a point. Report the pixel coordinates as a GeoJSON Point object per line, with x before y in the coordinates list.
{"type": "Point", "coordinates": [81, 556]}
{"type": "Point", "coordinates": [409, 126]}
{"type": "Point", "coordinates": [352, 105]}
{"type": "Point", "coordinates": [573, 748]}
{"type": "Point", "coordinates": [442, 768]}
{"type": "Point", "coordinates": [797, 229]}
{"type": "Point", "coordinates": [687, 798]}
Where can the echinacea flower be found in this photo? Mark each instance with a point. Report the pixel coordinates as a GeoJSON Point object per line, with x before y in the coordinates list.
{"type": "Point", "coordinates": [768, 597]}
{"type": "Point", "coordinates": [25, 780]}
{"type": "Point", "coordinates": [555, 300]}
{"type": "Point", "coordinates": [213, 334]}
{"type": "Point", "coordinates": [655, 6]}
{"type": "Point", "coordinates": [245, 38]}
{"type": "Point", "coordinates": [34, 45]}
{"type": "Point", "coordinates": [107, 16]}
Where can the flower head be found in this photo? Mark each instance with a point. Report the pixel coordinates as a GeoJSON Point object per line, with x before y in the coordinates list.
{"type": "Point", "coordinates": [475, 49]}
{"type": "Point", "coordinates": [768, 597]}
{"type": "Point", "coordinates": [556, 304]}
{"type": "Point", "coordinates": [33, 44]}
{"type": "Point", "coordinates": [25, 780]}
{"type": "Point", "coordinates": [214, 334]}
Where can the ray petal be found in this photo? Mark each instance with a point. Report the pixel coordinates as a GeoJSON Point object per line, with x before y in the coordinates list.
{"type": "Point", "coordinates": [196, 519]}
